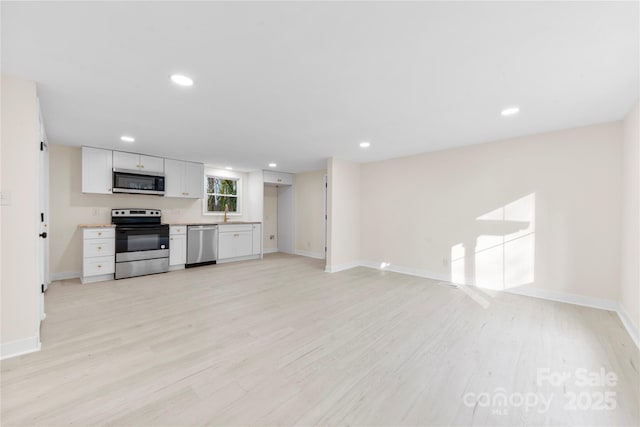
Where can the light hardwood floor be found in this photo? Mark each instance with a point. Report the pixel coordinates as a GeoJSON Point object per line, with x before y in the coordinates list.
{"type": "Point", "coordinates": [280, 342]}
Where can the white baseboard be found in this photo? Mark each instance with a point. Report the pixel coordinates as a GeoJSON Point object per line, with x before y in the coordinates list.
{"type": "Point", "coordinates": [63, 275]}
{"type": "Point", "coordinates": [19, 347]}
{"type": "Point", "coordinates": [628, 324]}
{"type": "Point", "coordinates": [270, 251]}
{"type": "Point", "coordinates": [240, 258]}
{"type": "Point", "coordinates": [406, 270]}
{"type": "Point", "coordinates": [600, 303]}
{"type": "Point", "coordinates": [341, 267]}
{"type": "Point", "coordinates": [317, 255]}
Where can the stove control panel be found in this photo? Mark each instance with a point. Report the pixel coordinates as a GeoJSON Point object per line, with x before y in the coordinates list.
{"type": "Point", "coordinates": [135, 212]}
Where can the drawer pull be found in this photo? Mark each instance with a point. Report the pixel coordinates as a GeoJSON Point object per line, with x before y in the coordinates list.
{"type": "Point", "coordinates": [279, 180]}
{"type": "Point", "coordinates": [99, 248]}
{"type": "Point", "coordinates": [99, 233]}
{"type": "Point", "coordinates": [99, 265]}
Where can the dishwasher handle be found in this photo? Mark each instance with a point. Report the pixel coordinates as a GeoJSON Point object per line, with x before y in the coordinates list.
{"type": "Point", "coordinates": [202, 227]}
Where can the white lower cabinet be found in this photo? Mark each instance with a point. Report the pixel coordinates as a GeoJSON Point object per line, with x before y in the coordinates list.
{"type": "Point", "coordinates": [237, 241]}
{"type": "Point", "coordinates": [177, 247]}
{"type": "Point", "coordinates": [98, 254]}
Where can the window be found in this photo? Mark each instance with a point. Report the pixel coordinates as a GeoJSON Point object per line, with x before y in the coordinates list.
{"type": "Point", "coordinates": [222, 192]}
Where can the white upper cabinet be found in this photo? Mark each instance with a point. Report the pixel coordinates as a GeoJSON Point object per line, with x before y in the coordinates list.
{"type": "Point", "coordinates": [278, 178]}
{"type": "Point", "coordinates": [139, 162]}
{"type": "Point", "coordinates": [96, 170]}
{"type": "Point", "coordinates": [183, 179]}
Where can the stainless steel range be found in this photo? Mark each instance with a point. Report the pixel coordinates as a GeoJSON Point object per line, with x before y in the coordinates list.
{"type": "Point", "coordinates": [142, 242]}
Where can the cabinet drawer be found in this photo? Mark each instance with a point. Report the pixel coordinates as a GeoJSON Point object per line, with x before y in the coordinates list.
{"type": "Point", "coordinates": [234, 228]}
{"type": "Point", "coordinates": [98, 233]}
{"type": "Point", "coordinates": [278, 178]}
{"type": "Point", "coordinates": [177, 229]}
{"type": "Point", "coordinates": [98, 265]}
{"type": "Point", "coordinates": [98, 247]}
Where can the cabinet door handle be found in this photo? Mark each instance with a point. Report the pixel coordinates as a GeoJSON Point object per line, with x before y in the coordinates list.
{"type": "Point", "coordinates": [99, 233]}
{"type": "Point", "coordinates": [186, 194]}
{"type": "Point", "coordinates": [170, 238]}
{"type": "Point", "coordinates": [99, 266]}
{"type": "Point", "coordinates": [279, 180]}
{"type": "Point", "coordinates": [142, 166]}
{"type": "Point", "coordinates": [99, 248]}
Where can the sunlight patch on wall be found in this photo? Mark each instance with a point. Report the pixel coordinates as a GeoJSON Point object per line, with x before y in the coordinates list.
{"type": "Point", "coordinates": [457, 264]}
{"type": "Point", "coordinates": [503, 254]}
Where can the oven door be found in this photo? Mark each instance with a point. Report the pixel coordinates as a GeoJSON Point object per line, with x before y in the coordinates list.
{"type": "Point", "coordinates": [141, 242]}
{"type": "Point", "coordinates": [125, 181]}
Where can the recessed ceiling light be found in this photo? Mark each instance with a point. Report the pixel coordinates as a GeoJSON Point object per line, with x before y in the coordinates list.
{"type": "Point", "coordinates": [127, 138]}
{"type": "Point", "coordinates": [181, 80]}
{"type": "Point", "coordinates": [229, 168]}
{"type": "Point", "coordinates": [510, 111]}
{"type": "Point", "coordinates": [272, 165]}
{"type": "Point", "coordinates": [365, 144]}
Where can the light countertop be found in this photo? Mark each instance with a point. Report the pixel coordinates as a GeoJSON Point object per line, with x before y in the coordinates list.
{"type": "Point", "coordinates": [176, 224]}
{"type": "Point", "coordinates": [214, 223]}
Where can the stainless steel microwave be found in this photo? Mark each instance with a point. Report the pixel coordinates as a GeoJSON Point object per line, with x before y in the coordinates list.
{"type": "Point", "coordinates": [129, 181]}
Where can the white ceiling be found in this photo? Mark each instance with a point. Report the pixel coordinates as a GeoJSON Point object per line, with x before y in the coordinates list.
{"type": "Point", "coordinates": [296, 83]}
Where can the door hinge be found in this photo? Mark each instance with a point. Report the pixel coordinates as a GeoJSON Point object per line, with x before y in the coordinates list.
{"type": "Point", "coordinates": [42, 288]}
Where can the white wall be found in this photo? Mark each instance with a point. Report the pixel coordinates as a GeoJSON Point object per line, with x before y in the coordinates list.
{"type": "Point", "coordinates": [538, 211]}
{"type": "Point", "coordinates": [270, 219]}
{"type": "Point", "coordinates": [70, 207]}
{"type": "Point", "coordinates": [19, 215]}
{"type": "Point", "coordinates": [310, 226]}
{"type": "Point", "coordinates": [343, 234]}
{"type": "Point", "coordinates": [630, 265]}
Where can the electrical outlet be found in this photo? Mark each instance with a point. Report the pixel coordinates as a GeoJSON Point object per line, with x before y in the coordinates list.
{"type": "Point", "coordinates": [5, 198]}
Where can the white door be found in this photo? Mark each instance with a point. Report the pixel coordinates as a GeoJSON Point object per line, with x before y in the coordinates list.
{"type": "Point", "coordinates": [43, 219]}
{"type": "Point", "coordinates": [286, 219]}
{"type": "Point", "coordinates": [326, 189]}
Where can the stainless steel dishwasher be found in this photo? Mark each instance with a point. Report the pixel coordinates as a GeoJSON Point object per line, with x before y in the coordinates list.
{"type": "Point", "coordinates": [202, 245]}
